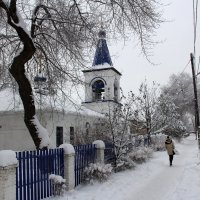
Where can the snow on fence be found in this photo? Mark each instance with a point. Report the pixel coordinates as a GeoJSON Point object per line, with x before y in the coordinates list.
{"type": "Point", "coordinates": [32, 173]}
{"type": "Point", "coordinates": [84, 155]}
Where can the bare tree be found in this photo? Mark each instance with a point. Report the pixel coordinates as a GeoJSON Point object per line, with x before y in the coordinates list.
{"type": "Point", "coordinates": [58, 33]}
{"type": "Point", "coordinates": [145, 105]}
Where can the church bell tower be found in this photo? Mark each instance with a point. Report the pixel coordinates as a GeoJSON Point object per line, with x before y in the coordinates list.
{"type": "Point", "coordinates": [102, 80]}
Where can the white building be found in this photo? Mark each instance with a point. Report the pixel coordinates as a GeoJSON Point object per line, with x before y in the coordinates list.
{"type": "Point", "coordinates": [102, 83]}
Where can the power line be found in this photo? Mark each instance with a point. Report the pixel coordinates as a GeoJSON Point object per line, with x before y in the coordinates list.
{"type": "Point", "coordinates": [167, 91]}
{"type": "Point", "coordinates": [181, 73]}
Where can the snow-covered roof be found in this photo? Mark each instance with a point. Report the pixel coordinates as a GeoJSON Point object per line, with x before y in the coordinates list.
{"type": "Point", "coordinates": [101, 66]}
{"type": "Point", "coordinates": [10, 101]}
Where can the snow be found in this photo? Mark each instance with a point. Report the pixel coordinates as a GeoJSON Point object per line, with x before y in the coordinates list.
{"type": "Point", "coordinates": [99, 144]}
{"type": "Point", "coordinates": [153, 180]}
{"type": "Point", "coordinates": [104, 66]}
{"type": "Point", "coordinates": [10, 101]}
{"type": "Point", "coordinates": [56, 178]}
{"type": "Point", "coordinates": [42, 133]}
{"type": "Point", "coordinates": [85, 111]}
{"type": "Point", "coordinates": [68, 148]}
{"type": "Point", "coordinates": [7, 157]}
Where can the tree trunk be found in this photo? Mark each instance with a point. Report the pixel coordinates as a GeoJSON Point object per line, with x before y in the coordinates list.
{"type": "Point", "coordinates": [17, 69]}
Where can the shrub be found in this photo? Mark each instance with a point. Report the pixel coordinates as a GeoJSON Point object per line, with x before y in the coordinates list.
{"type": "Point", "coordinates": [58, 184]}
{"type": "Point", "coordinates": [97, 172]}
{"type": "Point", "coordinates": [124, 163]}
{"type": "Point", "coordinates": [141, 154]}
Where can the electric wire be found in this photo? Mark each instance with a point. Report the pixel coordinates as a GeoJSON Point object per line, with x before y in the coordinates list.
{"type": "Point", "coordinates": [179, 76]}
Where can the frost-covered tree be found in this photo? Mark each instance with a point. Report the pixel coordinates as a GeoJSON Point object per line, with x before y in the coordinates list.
{"type": "Point", "coordinates": [180, 90]}
{"type": "Point", "coordinates": [55, 34]}
{"type": "Point", "coordinates": [167, 117]}
{"type": "Point", "coordinates": [114, 128]}
{"type": "Point", "coordinates": [145, 104]}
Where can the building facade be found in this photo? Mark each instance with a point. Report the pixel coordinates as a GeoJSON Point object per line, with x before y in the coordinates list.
{"type": "Point", "coordinates": [102, 95]}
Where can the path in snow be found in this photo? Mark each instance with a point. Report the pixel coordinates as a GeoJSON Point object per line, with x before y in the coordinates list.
{"type": "Point", "coordinates": [164, 185]}
{"type": "Point", "coordinates": [153, 180]}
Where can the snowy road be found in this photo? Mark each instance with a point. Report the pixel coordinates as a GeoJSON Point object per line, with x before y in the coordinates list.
{"type": "Point", "coordinates": [153, 180]}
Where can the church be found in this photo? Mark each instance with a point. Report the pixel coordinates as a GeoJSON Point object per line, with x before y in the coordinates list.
{"type": "Point", "coordinates": [102, 95]}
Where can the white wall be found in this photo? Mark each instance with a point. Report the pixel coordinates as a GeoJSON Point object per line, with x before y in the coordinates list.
{"type": "Point", "coordinates": [15, 136]}
{"type": "Point", "coordinates": [102, 107]}
{"type": "Point", "coordinates": [13, 132]}
{"type": "Point", "coordinates": [109, 76]}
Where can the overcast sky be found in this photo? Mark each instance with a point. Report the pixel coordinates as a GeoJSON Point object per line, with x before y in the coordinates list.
{"type": "Point", "coordinates": [172, 54]}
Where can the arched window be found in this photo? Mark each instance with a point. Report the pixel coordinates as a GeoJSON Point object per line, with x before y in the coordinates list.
{"type": "Point", "coordinates": [98, 90]}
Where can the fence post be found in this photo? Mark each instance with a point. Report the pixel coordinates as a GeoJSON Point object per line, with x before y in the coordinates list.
{"type": "Point", "coordinates": [100, 146]}
{"type": "Point", "coordinates": [8, 164]}
{"type": "Point", "coordinates": [69, 173]}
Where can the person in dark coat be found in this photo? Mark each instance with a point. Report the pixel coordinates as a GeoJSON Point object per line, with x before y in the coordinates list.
{"type": "Point", "coordinates": [169, 145]}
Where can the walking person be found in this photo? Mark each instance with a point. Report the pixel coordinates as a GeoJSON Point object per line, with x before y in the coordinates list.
{"type": "Point", "coordinates": [169, 145]}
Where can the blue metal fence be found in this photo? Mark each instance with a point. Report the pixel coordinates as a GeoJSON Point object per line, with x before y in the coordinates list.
{"type": "Point", "coordinates": [32, 173]}
{"type": "Point", "coordinates": [84, 155]}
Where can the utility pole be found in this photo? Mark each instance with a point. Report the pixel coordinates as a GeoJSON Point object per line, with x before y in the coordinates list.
{"type": "Point", "coordinates": [195, 99]}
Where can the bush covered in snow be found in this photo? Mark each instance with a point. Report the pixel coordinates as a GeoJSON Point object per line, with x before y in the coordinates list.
{"type": "Point", "coordinates": [124, 163]}
{"type": "Point", "coordinates": [158, 142]}
{"type": "Point", "coordinates": [140, 154]}
{"type": "Point", "coordinates": [97, 172]}
{"type": "Point", "coordinates": [58, 184]}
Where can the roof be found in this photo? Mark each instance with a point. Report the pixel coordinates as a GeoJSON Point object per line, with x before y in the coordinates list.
{"type": "Point", "coordinates": [102, 67]}
{"type": "Point", "coordinates": [102, 54]}
{"type": "Point", "coordinates": [11, 102]}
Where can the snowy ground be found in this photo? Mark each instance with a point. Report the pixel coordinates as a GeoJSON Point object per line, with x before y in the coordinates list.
{"type": "Point", "coordinates": [153, 180]}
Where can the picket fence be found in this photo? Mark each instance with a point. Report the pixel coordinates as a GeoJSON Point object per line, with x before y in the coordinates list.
{"type": "Point", "coordinates": [34, 168]}
{"type": "Point", "coordinates": [32, 173]}
{"type": "Point", "coordinates": [84, 155]}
